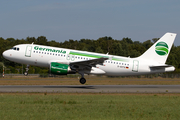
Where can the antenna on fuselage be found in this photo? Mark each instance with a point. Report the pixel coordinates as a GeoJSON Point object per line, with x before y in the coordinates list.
{"type": "Point", "coordinates": [32, 43]}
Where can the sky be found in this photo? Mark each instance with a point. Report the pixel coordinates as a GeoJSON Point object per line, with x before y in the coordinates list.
{"type": "Point", "coordinates": [62, 20]}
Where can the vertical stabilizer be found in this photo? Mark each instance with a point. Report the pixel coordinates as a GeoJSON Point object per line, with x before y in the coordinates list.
{"type": "Point", "coordinates": [160, 50]}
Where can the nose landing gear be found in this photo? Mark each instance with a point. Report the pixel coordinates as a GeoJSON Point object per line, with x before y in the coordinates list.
{"type": "Point", "coordinates": [27, 69]}
{"type": "Point", "coordinates": [26, 73]}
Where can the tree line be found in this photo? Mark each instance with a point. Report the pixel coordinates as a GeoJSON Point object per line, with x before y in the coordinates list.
{"type": "Point", "coordinates": [124, 47]}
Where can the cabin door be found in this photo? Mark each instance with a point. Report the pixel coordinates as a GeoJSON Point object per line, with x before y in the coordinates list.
{"type": "Point", "coordinates": [28, 51]}
{"type": "Point", "coordinates": [135, 65]}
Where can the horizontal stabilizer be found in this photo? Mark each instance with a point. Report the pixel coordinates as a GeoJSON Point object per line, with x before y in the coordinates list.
{"type": "Point", "coordinates": [161, 66]}
{"type": "Point", "coordinates": [165, 68]}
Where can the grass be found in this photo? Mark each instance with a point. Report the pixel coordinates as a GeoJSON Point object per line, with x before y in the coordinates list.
{"type": "Point", "coordinates": [89, 106]}
{"type": "Point", "coordinates": [91, 80]}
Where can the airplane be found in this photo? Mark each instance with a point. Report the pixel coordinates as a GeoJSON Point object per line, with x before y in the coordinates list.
{"type": "Point", "coordinates": [62, 61]}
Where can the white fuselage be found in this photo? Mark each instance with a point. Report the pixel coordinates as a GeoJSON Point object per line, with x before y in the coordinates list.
{"type": "Point", "coordinates": [39, 55]}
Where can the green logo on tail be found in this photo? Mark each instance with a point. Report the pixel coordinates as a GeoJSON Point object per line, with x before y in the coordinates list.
{"type": "Point", "coordinates": [162, 48]}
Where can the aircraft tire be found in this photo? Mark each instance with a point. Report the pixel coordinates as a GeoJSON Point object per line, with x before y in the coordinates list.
{"type": "Point", "coordinates": [82, 80]}
{"type": "Point", "coordinates": [26, 73]}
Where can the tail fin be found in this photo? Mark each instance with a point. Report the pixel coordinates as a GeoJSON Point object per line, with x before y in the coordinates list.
{"type": "Point", "coordinates": [160, 50]}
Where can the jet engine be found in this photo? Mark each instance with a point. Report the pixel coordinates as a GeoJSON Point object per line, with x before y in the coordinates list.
{"type": "Point", "coordinates": [60, 69]}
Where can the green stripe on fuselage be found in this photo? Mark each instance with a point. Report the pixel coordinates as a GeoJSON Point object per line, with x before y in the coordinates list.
{"type": "Point", "coordinates": [97, 56]}
{"type": "Point", "coordinates": [120, 59]}
{"type": "Point", "coordinates": [87, 55]}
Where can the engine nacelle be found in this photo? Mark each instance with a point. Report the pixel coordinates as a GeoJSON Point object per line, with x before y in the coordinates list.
{"type": "Point", "coordinates": [60, 69]}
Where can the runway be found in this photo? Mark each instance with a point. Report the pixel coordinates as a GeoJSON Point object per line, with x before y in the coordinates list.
{"type": "Point", "coordinates": [90, 88]}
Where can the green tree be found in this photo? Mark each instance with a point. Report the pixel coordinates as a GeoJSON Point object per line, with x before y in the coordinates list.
{"type": "Point", "coordinates": [31, 40]}
{"type": "Point", "coordinates": [42, 40]}
{"type": "Point", "coordinates": [147, 44]}
{"type": "Point", "coordinates": [117, 49]}
{"type": "Point", "coordinates": [99, 50]}
{"type": "Point", "coordinates": [155, 40]}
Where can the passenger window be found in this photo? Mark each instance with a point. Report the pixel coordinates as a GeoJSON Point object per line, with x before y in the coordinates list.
{"type": "Point", "coordinates": [17, 49]}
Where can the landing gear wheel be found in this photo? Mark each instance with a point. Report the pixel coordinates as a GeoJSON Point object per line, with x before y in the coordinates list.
{"type": "Point", "coordinates": [26, 73]}
{"type": "Point", "coordinates": [27, 69]}
{"type": "Point", "coordinates": [82, 80]}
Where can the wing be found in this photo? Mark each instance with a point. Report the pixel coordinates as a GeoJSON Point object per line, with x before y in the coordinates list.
{"type": "Point", "coordinates": [87, 63]}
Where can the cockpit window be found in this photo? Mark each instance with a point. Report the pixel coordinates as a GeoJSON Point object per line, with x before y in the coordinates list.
{"type": "Point", "coordinates": [15, 48]}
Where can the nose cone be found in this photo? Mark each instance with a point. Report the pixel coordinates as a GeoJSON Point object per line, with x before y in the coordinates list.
{"type": "Point", "coordinates": [6, 54]}
{"type": "Point", "coordinates": [10, 55]}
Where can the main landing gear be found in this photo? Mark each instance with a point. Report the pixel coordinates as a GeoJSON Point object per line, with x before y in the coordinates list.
{"type": "Point", "coordinates": [82, 79]}
{"type": "Point", "coordinates": [27, 69]}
